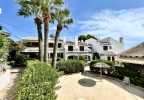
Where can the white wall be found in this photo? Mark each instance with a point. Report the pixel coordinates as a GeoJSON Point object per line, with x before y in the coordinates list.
{"type": "Point", "coordinates": [96, 45]}
{"type": "Point", "coordinates": [117, 47]}
{"type": "Point", "coordinates": [4, 79]}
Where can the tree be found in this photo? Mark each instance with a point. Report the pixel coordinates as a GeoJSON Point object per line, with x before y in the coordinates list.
{"type": "Point", "coordinates": [29, 8]}
{"type": "Point", "coordinates": [52, 36]}
{"type": "Point", "coordinates": [61, 16]}
{"type": "Point", "coordinates": [85, 37]}
{"type": "Point", "coordinates": [48, 6]}
{"type": "Point", "coordinates": [6, 45]}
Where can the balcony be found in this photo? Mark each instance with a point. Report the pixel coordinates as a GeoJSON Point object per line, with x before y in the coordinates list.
{"type": "Point", "coordinates": [36, 49]}
{"type": "Point", "coordinates": [78, 50]}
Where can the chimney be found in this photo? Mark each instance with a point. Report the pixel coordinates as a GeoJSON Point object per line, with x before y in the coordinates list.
{"type": "Point", "coordinates": [76, 40]}
{"type": "Point", "coordinates": [121, 39]}
{"type": "Point", "coordinates": [64, 39]}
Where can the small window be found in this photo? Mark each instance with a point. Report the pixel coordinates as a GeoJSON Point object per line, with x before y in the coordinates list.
{"type": "Point", "coordinates": [70, 48]}
{"type": "Point", "coordinates": [81, 48]}
{"type": "Point", "coordinates": [59, 45]}
{"type": "Point", "coordinates": [110, 47]}
{"type": "Point", "coordinates": [105, 47]}
{"type": "Point", "coordinates": [108, 58]}
{"type": "Point", "coordinates": [50, 44]}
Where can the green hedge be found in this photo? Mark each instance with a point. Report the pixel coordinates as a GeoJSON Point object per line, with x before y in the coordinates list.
{"type": "Point", "coordinates": [70, 66]}
{"type": "Point", "coordinates": [136, 76]}
{"type": "Point", "coordinates": [20, 61]}
{"type": "Point", "coordinates": [110, 63]}
{"type": "Point", "coordinates": [38, 82]}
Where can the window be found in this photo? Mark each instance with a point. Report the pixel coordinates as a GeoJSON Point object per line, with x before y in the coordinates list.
{"type": "Point", "coordinates": [113, 58]}
{"type": "Point", "coordinates": [35, 44]}
{"type": "Point", "coordinates": [70, 48]}
{"type": "Point", "coordinates": [29, 44]}
{"type": "Point", "coordinates": [105, 47]}
{"type": "Point", "coordinates": [108, 58]}
{"type": "Point", "coordinates": [81, 48]}
{"type": "Point", "coordinates": [50, 44]}
{"type": "Point", "coordinates": [51, 55]}
{"type": "Point", "coordinates": [60, 55]}
{"type": "Point", "coordinates": [90, 48]}
{"type": "Point", "coordinates": [59, 45]}
{"type": "Point", "coordinates": [110, 47]}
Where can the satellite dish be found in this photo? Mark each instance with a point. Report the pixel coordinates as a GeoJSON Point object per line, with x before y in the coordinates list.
{"type": "Point", "coordinates": [0, 10]}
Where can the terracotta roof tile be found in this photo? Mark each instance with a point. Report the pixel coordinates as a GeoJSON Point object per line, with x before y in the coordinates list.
{"type": "Point", "coordinates": [137, 50]}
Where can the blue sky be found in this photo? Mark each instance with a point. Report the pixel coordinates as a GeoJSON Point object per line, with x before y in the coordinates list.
{"type": "Point", "coordinates": [101, 18]}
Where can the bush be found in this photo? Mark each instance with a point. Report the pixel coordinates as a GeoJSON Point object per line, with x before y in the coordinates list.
{"type": "Point", "coordinates": [70, 66]}
{"type": "Point", "coordinates": [38, 82]}
{"type": "Point", "coordinates": [59, 59]}
{"type": "Point", "coordinates": [20, 61]}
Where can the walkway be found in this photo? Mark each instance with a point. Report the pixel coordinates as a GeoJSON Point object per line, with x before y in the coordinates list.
{"type": "Point", "coordinates": [10, 91]}
{"type": "Point", "coordinates": [87, 86]}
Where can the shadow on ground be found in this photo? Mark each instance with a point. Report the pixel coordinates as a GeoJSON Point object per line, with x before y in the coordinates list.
{"type": "Point", "coordinates": [10, 91]}
{"type": "Point", "coordinates": [91, 75]}
{"type": "Point", "coordinates": [87, 82]}
{"type": "Point", "coordinates": [131, 89]}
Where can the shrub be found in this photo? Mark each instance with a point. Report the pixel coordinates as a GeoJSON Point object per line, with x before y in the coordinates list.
{"type": "Point", "coordinates": [70, 66]}
{"type": "Point", "coordinates": [38, 82]}
{"type": "Point", "coordinates": [59, 59]}
{"type": "Point", "coordinates": [20, 61]}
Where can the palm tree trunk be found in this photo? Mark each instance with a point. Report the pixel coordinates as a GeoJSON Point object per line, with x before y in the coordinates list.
{"type": "Point", "coordinates": [39, 29]}
{"type": "Point", "coordinates": [46, 44]}
{"type": "Point", "coordinates": [46, 16]}
{"type": "Point", "coordinates": [55, 49]}
{"type": "Point", "coordinates": [40, 41]}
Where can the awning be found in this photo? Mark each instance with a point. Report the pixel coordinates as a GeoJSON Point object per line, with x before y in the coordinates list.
{"type": "Point", "coordinates": [133, 60]}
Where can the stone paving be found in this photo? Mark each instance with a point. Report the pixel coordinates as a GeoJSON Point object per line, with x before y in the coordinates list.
{"type": "Point", "coordinates": [87, 86]}
{"type": "Point", "coordinates": [10, 91]}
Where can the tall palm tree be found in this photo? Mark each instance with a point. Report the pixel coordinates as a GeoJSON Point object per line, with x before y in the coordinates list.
{"type": "Point", "coordinates": [48, 6]}
{"type": "Point", "coordinates": [29, 8]}
{"type": "Point", "coordinates": [61, 16]}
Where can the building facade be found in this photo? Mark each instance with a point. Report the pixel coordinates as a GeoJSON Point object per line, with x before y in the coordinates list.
{"type": "Point", "coordinates": [107, 48]}
{"type": "Point", "coordinates": [66, 49]}
{"type": "Point", "coordinates": [91, 49]}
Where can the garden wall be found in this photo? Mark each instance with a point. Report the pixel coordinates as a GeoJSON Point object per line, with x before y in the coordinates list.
{"type": "Point", "coordinates": [4, 79]}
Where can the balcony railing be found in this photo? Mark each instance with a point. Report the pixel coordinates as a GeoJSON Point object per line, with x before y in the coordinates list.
{"type": "Point", "coordinates": [78, 50]}
{"type": "Point", "coordinates": [36, 49]}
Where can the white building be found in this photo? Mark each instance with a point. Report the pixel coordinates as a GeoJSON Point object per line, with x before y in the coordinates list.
{"type": "Point", "coordinates": [107, 48]}
{"type": "Point", "coordinates": [66, 49]}
{"type": "Point", "coordinates": [91, 49]}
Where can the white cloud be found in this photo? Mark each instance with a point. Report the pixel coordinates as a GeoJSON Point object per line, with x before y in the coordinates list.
{"type": "Point", "coordinates": [53, 28]}
{"type": "Point", "coordinates": [129, 22]}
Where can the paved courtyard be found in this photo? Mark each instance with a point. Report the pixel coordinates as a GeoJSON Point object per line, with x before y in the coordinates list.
{"type": "Point", "coordinates": [87, 86]}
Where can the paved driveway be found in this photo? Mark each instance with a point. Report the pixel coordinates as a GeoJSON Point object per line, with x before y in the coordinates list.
{"type": "Point", "coordinates": [87, 86]}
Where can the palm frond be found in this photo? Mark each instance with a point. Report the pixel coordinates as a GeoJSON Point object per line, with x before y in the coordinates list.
{"type": "Point", "coordinates": [65, 26]}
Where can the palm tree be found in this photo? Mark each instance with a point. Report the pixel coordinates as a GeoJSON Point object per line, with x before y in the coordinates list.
{"type": "Point", "coordinates": [29, 8]}
{"type": "Point", "coordinates": [48, 6]}
{"type": "Point", "coordinates": [62, 18]}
